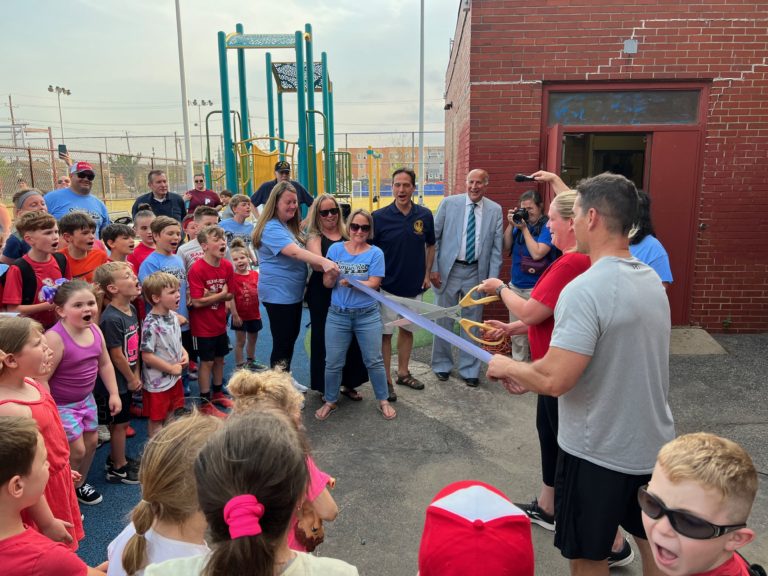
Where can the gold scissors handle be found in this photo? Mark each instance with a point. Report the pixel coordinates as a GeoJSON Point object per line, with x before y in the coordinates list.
{"type": "Point", "coordinates": [467, 325]}
{"type": "Point", "coordinates": [469, 299]}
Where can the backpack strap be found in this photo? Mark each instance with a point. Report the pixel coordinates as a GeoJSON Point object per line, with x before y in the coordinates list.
{"type": "Point", "coordinates": [29, 280]}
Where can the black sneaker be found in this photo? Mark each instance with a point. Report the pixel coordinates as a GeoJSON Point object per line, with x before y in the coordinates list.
{"type": "Point", "coordinates": [133, 463]}
{"type": "Point", "coordinates": [623, 557]}
{"type": "Point", "coordinates": [88, 495]}
{"type": "Point", "coordinates": [537, 515]}
{"type": "Point", "coordinates": [126, 475]}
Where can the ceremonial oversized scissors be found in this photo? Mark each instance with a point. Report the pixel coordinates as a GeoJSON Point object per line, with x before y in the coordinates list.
{"type": "Point", "coordinates": [435, 312]}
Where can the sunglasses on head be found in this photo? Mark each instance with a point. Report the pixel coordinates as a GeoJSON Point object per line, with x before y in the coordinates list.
{"type": "Point", "coordinates": [328, 212]}
{"type": "Point", "coordinates": [86, 175]}
{"type": "Point", "coordinates": [684, 523]}
{"type": "Point", "coordinates": [364, 227]}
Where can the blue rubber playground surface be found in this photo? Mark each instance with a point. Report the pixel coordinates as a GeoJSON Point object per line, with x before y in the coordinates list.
{"type": "Point", "coordinates": [106, 520]}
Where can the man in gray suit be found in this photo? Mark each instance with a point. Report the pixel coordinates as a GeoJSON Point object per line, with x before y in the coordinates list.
{"type": "Point", "coordinates": [469, 232]}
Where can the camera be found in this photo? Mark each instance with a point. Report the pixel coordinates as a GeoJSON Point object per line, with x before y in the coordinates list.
{"type": "Point", "coordinates": [520, 215]}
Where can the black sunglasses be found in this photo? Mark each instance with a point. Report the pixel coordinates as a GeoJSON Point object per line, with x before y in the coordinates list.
{"type": "Point", "coordinates": [683, 523]}
{"type": "Point", "coordinates": [364, 227]}
{"type": "Point", "coordinates": [199, 181]}
{"type": "Point", "coordinates": [86, 175]}
{"type": "Point", "coordinates": [328, 212]}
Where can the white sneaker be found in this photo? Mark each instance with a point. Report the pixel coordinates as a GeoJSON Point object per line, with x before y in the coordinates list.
{"type": "Point", "coordinates": [104, 435]}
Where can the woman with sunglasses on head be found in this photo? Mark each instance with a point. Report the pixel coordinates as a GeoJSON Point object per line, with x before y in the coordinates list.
{"type": "Point", "coordinates": [283, 263]}
{"type": "Point", "coordinates": [326, 227]}
{"type": "Point", "coordinates": [353, 312]}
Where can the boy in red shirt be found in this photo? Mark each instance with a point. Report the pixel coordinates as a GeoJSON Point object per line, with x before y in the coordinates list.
{"type": "Point", "coordinates": [211, 283]}
{"type": "Point", "coordinates": [142, 227]}
{"type": "Point", "coordinates": [21, 293]}
{"type": "Point", "coordinates": [23, 476]}
{"type": "Point", "coordinates": [79, 231]}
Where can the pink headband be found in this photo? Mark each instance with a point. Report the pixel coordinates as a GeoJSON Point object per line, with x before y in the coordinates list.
{"type": "Point", "coordinates": [242, 514]}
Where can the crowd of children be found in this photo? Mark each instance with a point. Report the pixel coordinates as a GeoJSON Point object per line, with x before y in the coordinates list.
{"type": "Point", "coordinates": [101, 329]}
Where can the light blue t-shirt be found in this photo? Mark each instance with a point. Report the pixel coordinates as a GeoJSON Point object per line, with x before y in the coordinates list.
{"type": "Point", "coordinates": [281, 278]}
{"type": "Point", "coordinates": [359, 267]}
{"type": "Point", "coordinates": [65, 200]}
{"type": "Point", "coordinates": [234, 230]}
{"type": "Point", "coordinates": [173, 264]}
{"type": "Point", "coordinates": [650, 251]}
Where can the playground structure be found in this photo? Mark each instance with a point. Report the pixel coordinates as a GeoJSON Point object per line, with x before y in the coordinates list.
{"type": "Point", "coordinates": [250, 160]}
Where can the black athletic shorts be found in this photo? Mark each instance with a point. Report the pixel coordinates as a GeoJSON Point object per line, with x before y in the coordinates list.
{"type": "Point", "coordinates": [102, 409]}
{"type": "Point", "coordinates": [210, 348]}
{"type": "Point", "coordinates": [249, 326]}
{"type": "Point", "coordinates": [591, 502]}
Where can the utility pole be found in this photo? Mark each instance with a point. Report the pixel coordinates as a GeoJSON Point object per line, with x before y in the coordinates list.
{"type": "Point", "coordinates": [128, 141]}
{"type": "Point", "coordinates": [13, 121]}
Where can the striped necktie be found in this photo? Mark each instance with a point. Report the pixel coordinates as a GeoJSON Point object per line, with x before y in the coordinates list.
{"type": "Point", "coordinates": [470, 256]}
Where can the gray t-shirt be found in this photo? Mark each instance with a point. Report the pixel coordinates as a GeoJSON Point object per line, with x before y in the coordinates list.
{"type": "Point", "coordinates": [617, 415]}
{"type": "Point", "coordinates": [190, 253]}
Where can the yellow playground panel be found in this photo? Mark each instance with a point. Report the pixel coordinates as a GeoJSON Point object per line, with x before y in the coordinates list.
{"type": "Point", "coordinates": [256, 163]}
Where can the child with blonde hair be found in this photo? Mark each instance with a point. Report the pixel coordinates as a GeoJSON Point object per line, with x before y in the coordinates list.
{"type": "Point", "coordinates": [273, 389]}
{"type": "Point", "coordinates": [251, 476]}
{"type": "Point", "coordinates": [246, 317]}
{"type": "Point", "coordinates": [696, 506]}
{"type": "Point", "coordinates": [167, 523]}
{"type": "Point", "coordinates": [24, 356]}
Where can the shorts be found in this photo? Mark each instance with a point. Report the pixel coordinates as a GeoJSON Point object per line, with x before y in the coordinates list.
{"type": "Point", "coordinates": [249, 326]}
{"type": "Point", "coordinates": [211, 348]}
{"type": "Point", "coordinates": [122, 417]}
{"type": "Point", "coordinates": [187, 344]}
{"type": "Point", "coordinates": [389, 315]}
{"type": "Point", "coordinates": [79, 417]}
{"type": "Point", "coordinates": [591, 502]}
{"type": "Point", "coordinates": [159, 405]}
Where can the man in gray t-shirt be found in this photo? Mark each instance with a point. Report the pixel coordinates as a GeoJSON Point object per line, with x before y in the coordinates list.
{"type": "Point", "coordinates": [608, 363]}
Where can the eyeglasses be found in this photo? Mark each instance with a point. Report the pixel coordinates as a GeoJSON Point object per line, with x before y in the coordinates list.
{"type": "Point", "coordinates": [364, 227]}
{"type": "Point", "coordinates": [199, 181]}
{"type": "Point", "coordinates": [86, 176]}
{"type": "Point", "coordinates": [684, 523]}
{"type": "Point", "coordinates": [326, 213]}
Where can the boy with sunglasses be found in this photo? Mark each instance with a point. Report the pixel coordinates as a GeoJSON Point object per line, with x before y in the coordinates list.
{"type": "Point", "coordinates": [78, 197]}
{"type": "Point", "coordinates": [696, 506]}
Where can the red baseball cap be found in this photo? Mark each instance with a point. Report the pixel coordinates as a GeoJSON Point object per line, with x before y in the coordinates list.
{"type": "Point", "coordinates": [81, 167]}
{"type": "Point", "coordinates": [473, 529]}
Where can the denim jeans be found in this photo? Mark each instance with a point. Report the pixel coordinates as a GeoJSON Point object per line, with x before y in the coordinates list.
{"type": "Point", "coordinates": [366, 325]}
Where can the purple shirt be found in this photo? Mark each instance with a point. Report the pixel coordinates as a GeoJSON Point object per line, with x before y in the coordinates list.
{"type": "Point", "coordinates": [75, 376]}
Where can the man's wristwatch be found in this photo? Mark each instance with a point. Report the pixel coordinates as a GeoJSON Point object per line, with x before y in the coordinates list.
{"type": "Point", "coordinates": [499, 288]}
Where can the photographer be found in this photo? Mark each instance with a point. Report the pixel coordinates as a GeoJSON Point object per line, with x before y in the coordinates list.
{"type": "Point", "coordinates": [530, 242]}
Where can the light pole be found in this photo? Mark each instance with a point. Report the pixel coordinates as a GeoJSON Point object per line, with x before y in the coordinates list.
{"type": "Point", "coordinates": [200, 104]}
{"type": "Point", "coordinates": [59, 91]}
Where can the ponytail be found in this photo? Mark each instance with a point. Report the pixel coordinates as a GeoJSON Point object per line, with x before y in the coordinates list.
{"type": "Point", "coordinates": [135, 552]}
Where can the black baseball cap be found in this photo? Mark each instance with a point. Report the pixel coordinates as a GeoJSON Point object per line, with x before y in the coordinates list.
{"type": "Point", "coordinates": [282, 166]}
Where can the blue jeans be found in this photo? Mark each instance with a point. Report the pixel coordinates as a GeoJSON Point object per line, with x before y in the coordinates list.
{"type": "Point", "coordinates": [366, 325]}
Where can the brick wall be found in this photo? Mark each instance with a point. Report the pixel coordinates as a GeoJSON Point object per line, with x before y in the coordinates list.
{"type": "Point", "coordinates": [511, 48]}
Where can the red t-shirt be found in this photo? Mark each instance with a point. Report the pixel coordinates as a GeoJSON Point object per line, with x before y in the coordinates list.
{"type": "Point", "coordinates": [547, 291]}
{"type": "Point", "coordinates": [82, 268]}
{"type": "Point", "coordinates": [735, 566]}
{"type": "Point", "coordinates": [46, 273]}
{"type": "Point", "coordinates": [139, 254]}
{"type": "Point", "coordinates": [202, 198]}
{"type": "Point", "coordinates": [209, 321]}
{"type": "Point", "coordinates": [247, 295]}
{"type": "Point", "coordinates": [30, 554]}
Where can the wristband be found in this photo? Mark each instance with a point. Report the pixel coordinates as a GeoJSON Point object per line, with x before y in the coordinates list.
{"type": "Point", "coordinates": [499, 288]}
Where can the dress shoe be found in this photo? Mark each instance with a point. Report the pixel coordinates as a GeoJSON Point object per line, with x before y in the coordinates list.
{"type": "Point", "coordinates": [472, 382]}
{"type": "Point", "coordinates": [442, 376]}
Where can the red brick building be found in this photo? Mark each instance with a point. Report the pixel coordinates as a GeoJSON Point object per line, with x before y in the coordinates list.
{"type": "Point", "coordinates": [672, 94]}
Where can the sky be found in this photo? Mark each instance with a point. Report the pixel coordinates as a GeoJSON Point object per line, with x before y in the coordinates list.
{"type": "Point", "coordinates": [120, 62]}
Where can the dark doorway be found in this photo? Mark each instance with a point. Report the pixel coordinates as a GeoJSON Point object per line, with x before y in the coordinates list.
{"type": "Point", "coordinates": [589, 154]}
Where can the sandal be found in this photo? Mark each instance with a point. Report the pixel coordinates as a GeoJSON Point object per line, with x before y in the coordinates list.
{"type": "Point", "coordinates": [410, 381]}
{"type": "Point", "coordinates": [325, 411]}
{"type": "Point", "coordinates": [352, 394]}
{"type": "Point", "coordinates": [391, 391]}
{"type": "Point", "coordinates": [387, 411]}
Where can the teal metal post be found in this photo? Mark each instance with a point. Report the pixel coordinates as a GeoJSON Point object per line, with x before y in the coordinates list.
{"type": "Point", "coordinates": [280, 124]}
{"type": "Point", "coordinates": [244, 130]}
{"type": "Point", "coordinates": [229, 154]}
{"type": "Point", "coordinates": [311, 133]}
{"type": "Point", "coordinates": [270, 103]}
{"type": "Point", "coordinates": [302, 115]}
{"type": "Point", "coordinates": [331, 137]}
{"type": "Point", "coordinates": [330, 159]}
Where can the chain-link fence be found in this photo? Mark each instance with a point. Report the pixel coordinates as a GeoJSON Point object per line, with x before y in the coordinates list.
{"type": "Point", "coordinates": [118, 176]}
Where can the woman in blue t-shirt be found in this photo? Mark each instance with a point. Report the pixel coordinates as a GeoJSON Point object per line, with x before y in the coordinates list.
{"type": "Point", "coordinates": [283, 269]}
{"type": "Point", "coordinates": [354, 312]}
